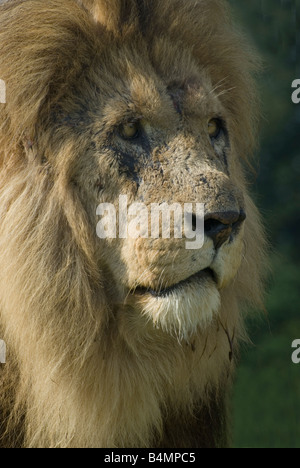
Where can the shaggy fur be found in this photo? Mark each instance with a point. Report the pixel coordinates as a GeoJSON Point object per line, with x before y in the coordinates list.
{"type": "Point", "coordinates": [94, 358]}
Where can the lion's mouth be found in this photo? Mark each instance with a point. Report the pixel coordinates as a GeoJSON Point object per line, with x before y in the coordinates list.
{"type": "Point", "coordinates": [208, 273]}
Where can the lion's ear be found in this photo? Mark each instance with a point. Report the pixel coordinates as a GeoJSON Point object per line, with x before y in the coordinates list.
{"type": "Point", "coordinates": [114, 14]}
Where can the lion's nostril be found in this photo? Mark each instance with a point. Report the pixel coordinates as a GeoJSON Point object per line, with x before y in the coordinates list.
{"type": "Point", "coordinates": [220, 226]}
{"type": "Point", "coordinates": [217, 231]}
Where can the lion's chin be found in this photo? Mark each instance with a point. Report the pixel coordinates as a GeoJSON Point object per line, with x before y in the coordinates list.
{"type": "Point", "coordinates": [183, 309]}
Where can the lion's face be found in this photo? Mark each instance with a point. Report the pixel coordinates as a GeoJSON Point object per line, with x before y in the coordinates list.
{"type": "Point", "coordinates": [158, 140]}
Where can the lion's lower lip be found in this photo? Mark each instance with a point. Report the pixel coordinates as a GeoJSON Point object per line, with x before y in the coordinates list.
{"type": "Point", "coordinates": [207, 273]}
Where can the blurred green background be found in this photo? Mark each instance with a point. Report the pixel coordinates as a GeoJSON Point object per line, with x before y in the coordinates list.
{"type": "Point", "coordinates": [266, 404]}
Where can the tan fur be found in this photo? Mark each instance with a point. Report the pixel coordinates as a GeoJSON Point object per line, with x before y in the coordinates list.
{"type": "Point", "coordinates": [92, 363]}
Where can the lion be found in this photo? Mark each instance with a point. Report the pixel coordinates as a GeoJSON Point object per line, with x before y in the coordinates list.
{"type": "Point", "coordinates": [127, 341]}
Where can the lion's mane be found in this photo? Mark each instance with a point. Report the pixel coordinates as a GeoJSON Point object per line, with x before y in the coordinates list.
{"type": "Point", "coordinates": [73, 377]}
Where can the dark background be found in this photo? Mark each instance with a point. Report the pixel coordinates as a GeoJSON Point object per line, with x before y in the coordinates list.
{"type": "Point", "coordinates": [266, 403]}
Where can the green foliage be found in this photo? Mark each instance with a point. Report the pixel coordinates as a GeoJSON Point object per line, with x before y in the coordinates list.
{"type": "Point", "coordinates": [267, 392]}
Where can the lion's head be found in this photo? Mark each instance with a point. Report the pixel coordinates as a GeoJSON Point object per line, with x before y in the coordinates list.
{"type": "Point", "coordinates": [122, 341]}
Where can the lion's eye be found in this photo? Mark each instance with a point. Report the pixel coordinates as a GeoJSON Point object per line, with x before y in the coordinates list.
{"type": "Point", "coordinates": [129, 130]}
{"type": "Point", "coordinates": [214, 128]}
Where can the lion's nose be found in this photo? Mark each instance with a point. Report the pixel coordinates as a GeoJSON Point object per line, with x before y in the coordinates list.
{"type": "Point", "coordinates": [221, 226]}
